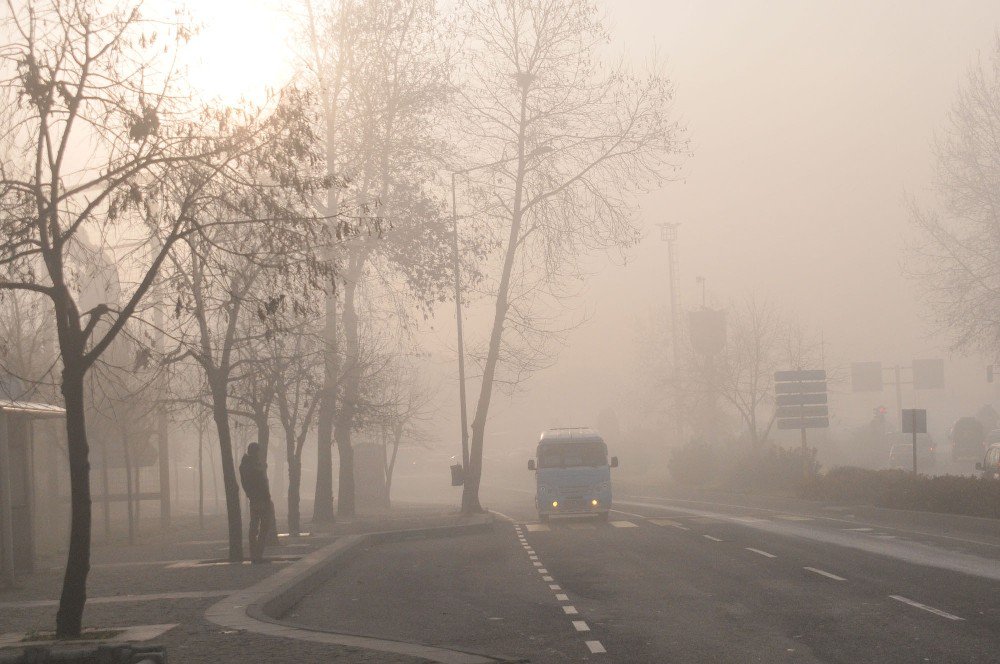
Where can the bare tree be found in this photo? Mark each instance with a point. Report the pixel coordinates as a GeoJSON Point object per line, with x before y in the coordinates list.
{"type": "Point", "coordinates": [384, 80]}
{"type": "Point", "coordinates": [567, 141]}
{"type": "Point", "coordinates": [408, 404]}
{"type": "Point", "coordinates": [298, 392]}
{"type": "Point", "coordinates": [957, 259]}
{"type": "Point", "coordinates": [93, 130]}
{"type": "Point", "coordinates": [760, 340]}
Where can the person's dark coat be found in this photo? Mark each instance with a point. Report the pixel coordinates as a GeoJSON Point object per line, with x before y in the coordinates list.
{"type": "Point", "coordinates": [254, 479]}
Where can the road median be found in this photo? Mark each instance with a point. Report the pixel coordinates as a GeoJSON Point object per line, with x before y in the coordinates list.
{"type": "Point", "coordinates": [261, 608]}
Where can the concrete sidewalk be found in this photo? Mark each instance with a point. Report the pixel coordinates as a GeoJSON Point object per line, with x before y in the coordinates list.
{"type": "Point", "coordinates": [175, 579]}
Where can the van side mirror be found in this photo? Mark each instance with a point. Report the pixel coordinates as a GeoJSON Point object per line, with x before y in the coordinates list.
{"type": "Point", "coordinates": [979, 465]}
{"type": "Point", "coordinates": [614, 462]}
{"type": "Point", "coordinates": [531, 464]}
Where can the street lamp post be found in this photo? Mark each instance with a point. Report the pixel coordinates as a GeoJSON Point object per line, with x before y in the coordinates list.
{"type": "Point", "coordinates": [458, 318]}
{"type": "Point", "coordinates": [668, 234]}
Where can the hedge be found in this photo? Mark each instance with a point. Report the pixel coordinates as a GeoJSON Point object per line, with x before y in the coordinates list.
{"type": "Point", "coordinates": [900, 489]}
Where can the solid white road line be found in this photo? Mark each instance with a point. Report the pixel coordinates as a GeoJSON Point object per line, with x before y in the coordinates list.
{"type": "Point", "coordinates": [860, 530]}
{"type": "Point", "coordinates": [761, 553]}
{"type": "Point", "coordinates": [581, 626]}
{"type": "Point", "coordinates": [823, 573]}
{"type": "Point", "coordinates": [562, 597]}
{"type": "Point", "coordinates": [595, 647]}
{"type": "Point", "coordinates": [536, 527]}
{"type": "Point", "coordinates": [570, 610]}
{"type": "Point", "coordinates": [714, 539]}
{"type": "Point", "coordinates": [931, 609]}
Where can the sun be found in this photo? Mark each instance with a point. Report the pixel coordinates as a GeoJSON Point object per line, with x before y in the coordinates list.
{"type": "Point", "coordinates": [240, 51]}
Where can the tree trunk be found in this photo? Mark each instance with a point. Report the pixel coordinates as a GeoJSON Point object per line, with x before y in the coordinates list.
{"type": "Point", "coordinates": [349, 397]}
{"type": "Point", "coordinates": [69, 618]}
{"type": "Point", "coordinates": [129, 490]}
{"type": "Point", "coordinates": [220, 412]}
{"type": "Point", "coordinates": [294, 483]}
{"type": "Point", "coordinates": [473, 474]}
{"type": "Point", "coordinates": [201, 475]}
{"type": "Point", "coordinates": [323, 502]}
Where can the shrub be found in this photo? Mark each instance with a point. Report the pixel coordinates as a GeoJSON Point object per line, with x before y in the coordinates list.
{"type": "Point", "coordinates": [900, 489]}
{"type": "Point", "coordinates": [770, 469]}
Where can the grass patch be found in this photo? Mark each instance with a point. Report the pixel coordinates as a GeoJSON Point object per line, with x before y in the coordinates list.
{"type": "Point", "coordinates": [86, 635]}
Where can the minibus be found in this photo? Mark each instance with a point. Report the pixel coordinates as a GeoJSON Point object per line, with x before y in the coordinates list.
{"type": "Point", "coordinates": [572, 473]}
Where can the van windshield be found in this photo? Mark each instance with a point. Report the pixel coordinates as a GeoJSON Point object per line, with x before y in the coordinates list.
{"type": "Point", "coordinates": [568, 455]}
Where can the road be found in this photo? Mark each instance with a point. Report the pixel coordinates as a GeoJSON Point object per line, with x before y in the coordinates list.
{"type": "Point", "coordinates": [685, 581]}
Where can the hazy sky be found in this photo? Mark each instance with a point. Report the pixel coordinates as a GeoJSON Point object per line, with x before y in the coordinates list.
{"type": "Point", "coordinates": [809, 121]}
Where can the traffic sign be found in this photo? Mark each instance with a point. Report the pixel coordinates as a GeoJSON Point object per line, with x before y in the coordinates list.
{"type": "Point", "coordinates": [800, 375]}
{"type": "Point", "coordinates": [914, 420]}
{"type": "Point", "coordinates": [801, 411]}
{"type": "Point", "coordinates": [800, 399]}
{"type": "Point", "coordinates": [805, 387]}
{"type": "Point", "coordinates": [805, 423]}
{"type": "Point", "coordinates": [928, 374]}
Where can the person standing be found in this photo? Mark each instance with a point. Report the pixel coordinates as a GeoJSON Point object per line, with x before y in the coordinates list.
{"type": "Point", "coordinates": [253, 476]}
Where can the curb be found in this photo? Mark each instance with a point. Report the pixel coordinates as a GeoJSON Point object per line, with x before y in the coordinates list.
{"type": "Point", "coordinates": [259, 607]}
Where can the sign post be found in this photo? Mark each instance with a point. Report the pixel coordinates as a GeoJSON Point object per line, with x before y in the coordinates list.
{"type": "Point", "coordinates": [801, 399]}
{"type": "Point", "coordinates": [914, 422]}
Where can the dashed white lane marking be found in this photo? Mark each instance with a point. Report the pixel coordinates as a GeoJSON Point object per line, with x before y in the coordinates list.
{"type": "Point", "coordinates": [536, 527]}
{"type": "Point", "coordinates": [570, 610]}
{"type": "Point", "coordinates": [595, 647]}
{"type": "Point", "coordinates": [547, 578]}
{"type": "Point", "coordinates": [623, 524]}
{"type": "Point", "coordinates": [668, 522]}
{"type": "Point", "coordinates": [536, 563]}
{"type": "Point", "coordinates": [794, 517]}
{"type": "Point", "coordinates": [532, 557]}
{"type": "Point", "coordinates": [562, 597]}
{"type": "Point", "coordinates": [824, 573]}
{"type": "Point", "coordinates": [554, 586]}
{"type": "Point", "coordinates": [542, 570]}
{"type": "Point", "coordinates": [581, 626]}
{"type": "Point", "coordinates": [761, 553]}
{"type": "Point", "coordinates": [860, 530]}
{"type": "Point", "coordinates": [749, 519]}
{"type": "Point", "coordinates": [714, 539]}
{"type": "Point", "coordinates": [931, 609]}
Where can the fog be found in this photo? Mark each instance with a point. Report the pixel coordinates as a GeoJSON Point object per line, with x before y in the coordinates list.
{"type": "Point", "coordinates": [240, 246]}
{"type": "Point", "coordinates": [803, 148]}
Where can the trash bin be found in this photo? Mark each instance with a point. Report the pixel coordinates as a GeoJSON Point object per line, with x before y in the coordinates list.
{"type": "Point", "coordinates": [457, 475]}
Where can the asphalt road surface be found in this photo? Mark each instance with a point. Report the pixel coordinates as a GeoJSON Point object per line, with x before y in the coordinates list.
{"type": "Point", "coordinates": [685, 581]}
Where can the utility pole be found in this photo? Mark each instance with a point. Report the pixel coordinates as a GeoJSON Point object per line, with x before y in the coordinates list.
{"type": "Point", "coordinates": [458, 317]}
{"type": "Point", "coordinates": [668, 234]}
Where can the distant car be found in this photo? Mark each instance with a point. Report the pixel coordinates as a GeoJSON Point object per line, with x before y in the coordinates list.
{"type": "Point", "coordinates": [967, 438]}
{"type": "Point", "coordinates": [901, 451]}
{"type": "Point", "coordinates": [990, 466]}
